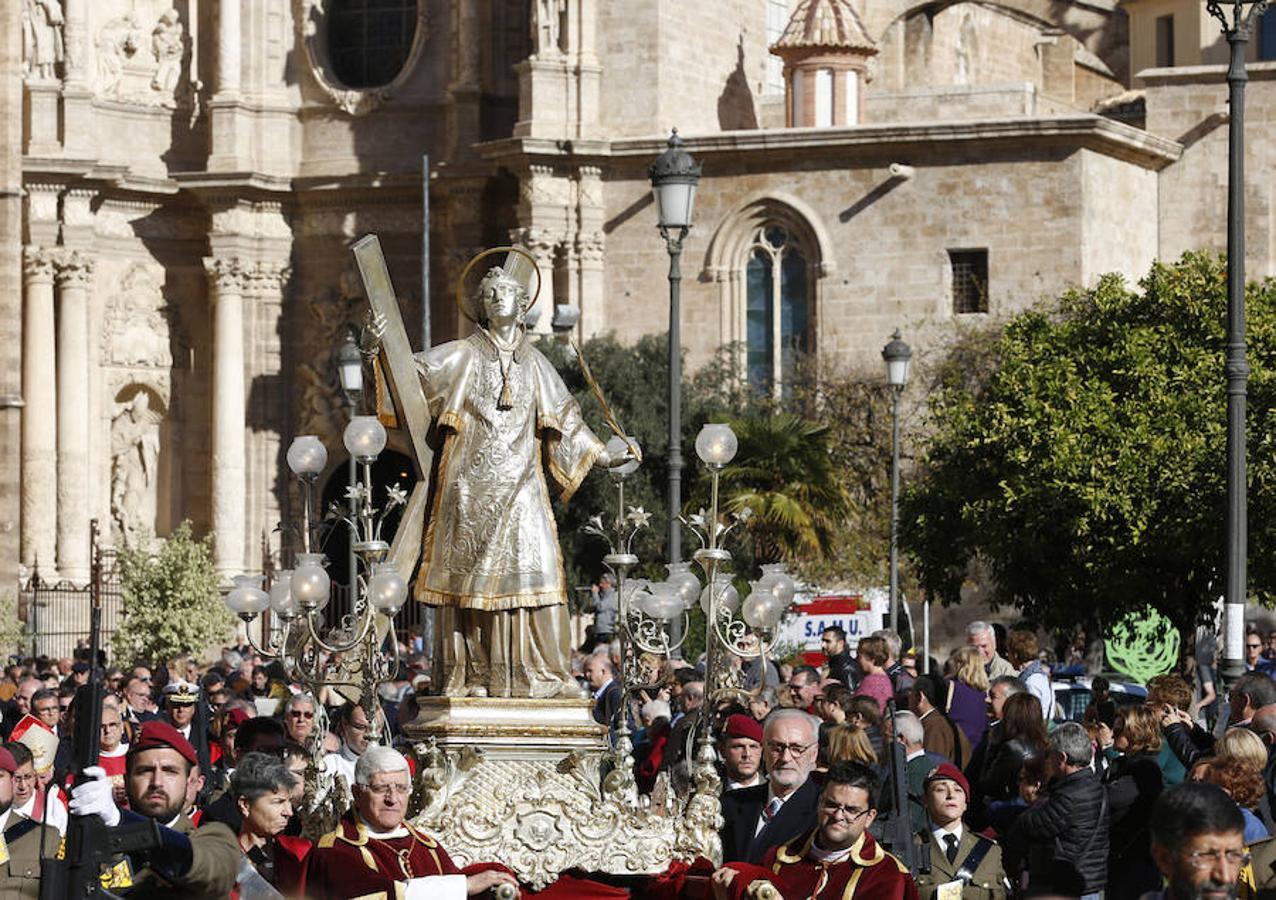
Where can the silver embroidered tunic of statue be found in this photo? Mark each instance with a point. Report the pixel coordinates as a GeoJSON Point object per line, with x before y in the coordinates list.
{"type": "Point", "coordinates": [490, 541]}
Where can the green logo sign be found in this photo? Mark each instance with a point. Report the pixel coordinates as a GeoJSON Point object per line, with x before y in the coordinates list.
{"type": "Point", "coordinates": [1143, 645]}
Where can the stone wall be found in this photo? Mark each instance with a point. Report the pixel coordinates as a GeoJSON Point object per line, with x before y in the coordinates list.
{"type": "Point", "coordinates": [1189, 105]}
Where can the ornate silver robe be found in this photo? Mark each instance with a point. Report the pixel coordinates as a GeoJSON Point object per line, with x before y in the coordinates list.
{"type": "Point", "coordinates": [491, 560]}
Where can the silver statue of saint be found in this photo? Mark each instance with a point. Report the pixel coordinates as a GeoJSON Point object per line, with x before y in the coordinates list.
{"type": "Point", "coordinates": [506, 431]}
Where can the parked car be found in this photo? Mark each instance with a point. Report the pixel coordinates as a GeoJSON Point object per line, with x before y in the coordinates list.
{"type": "Point", "coordinates": [1071, 697]}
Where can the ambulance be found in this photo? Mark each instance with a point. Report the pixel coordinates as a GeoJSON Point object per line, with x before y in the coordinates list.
{"type": "Point", "coordinates": [857, 612]}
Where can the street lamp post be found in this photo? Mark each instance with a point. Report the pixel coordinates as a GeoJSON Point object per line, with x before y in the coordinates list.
{"type": "Point", "coordinates": [1237, 29]}
{"type": "Point", "coordinates": [350, 371]}
{"type": "Point", "coordinates": [674, 176]}
{"type": "Point", "coordinates": [898, 357]}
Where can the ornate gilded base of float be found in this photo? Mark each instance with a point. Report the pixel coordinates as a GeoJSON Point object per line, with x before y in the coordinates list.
{"type": "Point", "coordinates": [520, 782]}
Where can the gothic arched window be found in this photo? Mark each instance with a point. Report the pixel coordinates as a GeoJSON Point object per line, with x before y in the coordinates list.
{"type": "Point", "coordinates": [777, 302]}
{"type": "Point", "coordinates": [369, 41]}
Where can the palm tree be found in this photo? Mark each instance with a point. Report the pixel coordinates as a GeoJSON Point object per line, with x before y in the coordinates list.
{"type": "Point", "coordinates": [784, 474]}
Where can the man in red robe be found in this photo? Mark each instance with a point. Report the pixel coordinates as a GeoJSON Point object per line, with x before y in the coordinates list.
{"type": "Point", "coordinates": [373, 854]}
{"type": "Point", "coordinates": [839, 859]}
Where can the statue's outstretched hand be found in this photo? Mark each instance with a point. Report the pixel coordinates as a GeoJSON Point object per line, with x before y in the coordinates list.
{"type": "Point", "coordinates": [609, 460]}
{"type": "Point", "coordinates": [370, 334]}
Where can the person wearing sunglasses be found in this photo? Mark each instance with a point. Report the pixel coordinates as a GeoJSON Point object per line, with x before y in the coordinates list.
{"type": "Point", "coordinates": [836, 859]}
{"type": "Point", "coordinates": [299, 718]}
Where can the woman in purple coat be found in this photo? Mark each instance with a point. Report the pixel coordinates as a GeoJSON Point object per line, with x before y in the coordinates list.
{"type": "Point", "coordinates": [968, 693]}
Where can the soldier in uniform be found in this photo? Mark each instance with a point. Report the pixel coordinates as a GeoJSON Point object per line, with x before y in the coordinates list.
{"type": "Point", "coordinates": [20, 850]}
{"type": "Point", "coordinates": [955, 862]}
{"type": "Point", "coordinates": [195, 865]}
{"type": "Point", "coordinates": [180, 698]}
{"type": "Point", "coordinates": [373, 854]}
{"type": "Point", "coordinates": [839, 859]}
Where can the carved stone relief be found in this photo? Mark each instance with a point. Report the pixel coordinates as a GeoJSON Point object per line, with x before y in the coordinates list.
{"type": "Point", "coordinates": [135, 453]}
{"type": "Point", "coordinates": [141, 61]}
{"type": "Point", "coordinates": [138, 323]}
{"type": "Point", "coordinates": [43, 47]}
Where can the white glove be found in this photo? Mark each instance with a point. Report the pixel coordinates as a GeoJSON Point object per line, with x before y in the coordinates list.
{"type": "Point", "coordinates": [94, 798]}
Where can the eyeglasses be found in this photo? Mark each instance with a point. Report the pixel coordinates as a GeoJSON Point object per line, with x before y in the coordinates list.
{"type": "Point", "coordinates": [301, 714]}
{"type": "Point", "coordinates": [106, 725]}
{"type": "Point", "coordinates": [793, 750]}
{"type": "Point", "coordinates": [24, 779]}
{"type": "Point", "coordinates": [835, 808]}
{"type": "Point", "coordinates": [1204, 859]}
{"type": "Point", "coordinates": [382, 790]}
{"type": "Point", "coordinates": [1254, 646]}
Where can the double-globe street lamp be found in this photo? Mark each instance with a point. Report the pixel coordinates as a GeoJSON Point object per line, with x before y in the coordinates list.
{"type": "Point", "coordinates": [898, 356]}
{"type": "Point", "coordinates": [1237, 28]}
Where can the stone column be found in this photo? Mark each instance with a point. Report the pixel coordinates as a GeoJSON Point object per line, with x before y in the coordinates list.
{"type": "Point", "coordinates": [226, 281]}
{"type": "Point", "coordinates": [74, 274]}
{"type": "Point", "coordinates": [39, 422]}
{"type": "Point", "coordinates": [228, 43]}
{"type": "Point", "coordinates": [542, 248]}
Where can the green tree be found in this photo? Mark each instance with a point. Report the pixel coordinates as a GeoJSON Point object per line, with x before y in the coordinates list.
{"type": "Point", "coordinates": [172, 606]}
{"type": "Point", "coordinates": [784, 474]}
{"type": "Point", "coordinates": [1082, 463]}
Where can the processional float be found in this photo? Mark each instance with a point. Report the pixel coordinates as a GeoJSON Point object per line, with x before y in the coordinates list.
{"type": "Point", "coordinates": [513, 767]}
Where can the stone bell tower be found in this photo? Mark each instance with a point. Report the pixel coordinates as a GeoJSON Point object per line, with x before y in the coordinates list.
{"type": "Point", "coordinates": [826, 51]}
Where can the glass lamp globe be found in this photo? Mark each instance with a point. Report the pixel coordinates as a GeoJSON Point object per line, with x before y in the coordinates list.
{"type": "Point", "coordinates": [664, 601]}
{"type": "Point", "coordinates": [728, 596]}
{"type": "Point", "coordinates": [247, 598]}
{"type": "Point", "coordinates": [762, 609]}
{"type": "Point", "coordinates": [688, 585]}
{"type": "Point", "coordinates": [779, 582]}
{"type": "Point", "coordinates": [387, 591]}
{"type": "Point", "coordinates": [282, 602]}
{"type": "Point", "coordinates": [307, 456]}
{"type": "Point", "coordinates": [364, 438]}
{"type": "Point", "coordinates": [311, 585]}
{"type": "Point", "coordinates": [716, 444]}
{"type": "Point", "coordinates": [636, 593]}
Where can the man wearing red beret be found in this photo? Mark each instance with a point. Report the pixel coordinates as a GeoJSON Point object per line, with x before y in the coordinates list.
{"type": "Point", "coordinates": [957, 862]}
{"type": "Point", "coordinates": [836, 860]}
{"type": "Point", "coordinates": [20, 865]}
{"type": "Point", "coordinates": [159, 769]}
{"type": "Point", "coordinates": [740, 749]}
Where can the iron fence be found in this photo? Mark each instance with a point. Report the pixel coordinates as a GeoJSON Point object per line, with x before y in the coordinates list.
{"type": "Point", "coordinates": [55, 615]}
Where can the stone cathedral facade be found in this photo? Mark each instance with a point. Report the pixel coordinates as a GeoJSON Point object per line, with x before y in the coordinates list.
{"type": "Point", "coordinates": [182, 180]}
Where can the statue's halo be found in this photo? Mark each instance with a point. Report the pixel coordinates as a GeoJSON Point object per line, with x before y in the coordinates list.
{"type": "Point", "coordinates": [460, 282]}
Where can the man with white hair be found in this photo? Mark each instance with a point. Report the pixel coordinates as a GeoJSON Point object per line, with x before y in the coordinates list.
{"type": "Point", "coordinates": [918, 761]}
{"type": "Point", "coordinates": [758, 818]}
{"type": "Point", "coordinates": [981, 636]}
{"type": "Point", "coordinates": [375, 851]}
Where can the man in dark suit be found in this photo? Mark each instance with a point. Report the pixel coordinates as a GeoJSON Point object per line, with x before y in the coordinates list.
{"type": "Point", "coordinates": [604, 687]}
{"type": "Point", "coordinates": [758, 818]}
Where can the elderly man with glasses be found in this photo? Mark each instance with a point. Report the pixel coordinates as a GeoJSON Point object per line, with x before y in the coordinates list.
{"type": "Point", "coordinates": [374, 851]}
{"type": "Point", "coordinates": [760, 817]}
{"type": "Point", "coordinates": [835, 859]}
{"type": "Point", "coordinates": [1198, 842]}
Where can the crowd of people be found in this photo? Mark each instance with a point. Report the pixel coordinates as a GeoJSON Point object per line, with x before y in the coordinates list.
{"type": "Point", "coordinates": [1004, 797]}
{"type": "Point", "coordinates": [862, 775]}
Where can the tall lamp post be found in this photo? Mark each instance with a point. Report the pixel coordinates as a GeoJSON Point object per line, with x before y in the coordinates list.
{"type": "Point", "coordinates": [350, 371]}
{"type": "Point", "coordinates": [674, 176]}
{"type": "Point", "coordinates": [1237, 28]}
{"type": "Point", "coordinates": [898, 356]}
